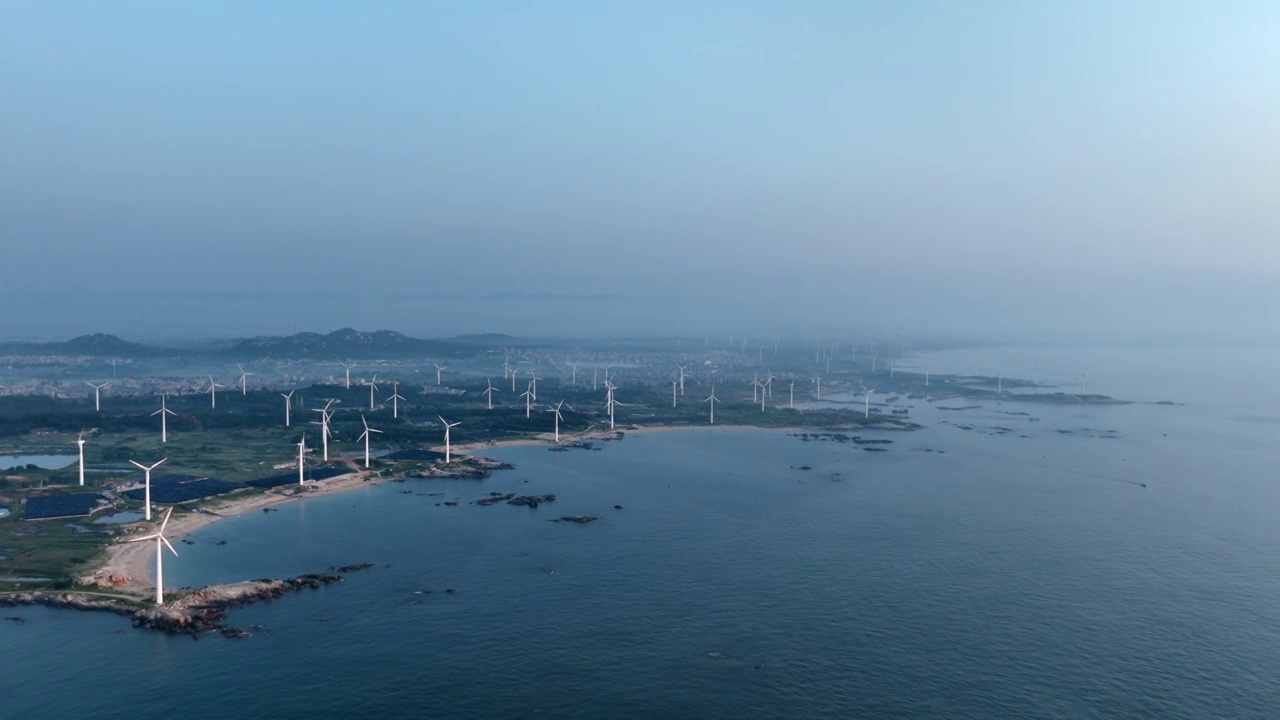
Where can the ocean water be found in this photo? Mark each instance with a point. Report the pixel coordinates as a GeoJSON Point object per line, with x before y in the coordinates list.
{"type": "Point", "coordinates": [990, 565]}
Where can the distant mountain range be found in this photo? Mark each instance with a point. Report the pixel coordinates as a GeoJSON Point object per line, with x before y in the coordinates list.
{"type": "Point", "coordinates": [344, 343]}
{"type": "Point", "coordinates": [95, 344]}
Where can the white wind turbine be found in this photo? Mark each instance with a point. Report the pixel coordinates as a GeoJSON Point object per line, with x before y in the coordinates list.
{"type": "Point", "coordinates": [325, 416]}
{"type": "Point", "coordinates": [288, 400]}
{"type": "Point", "coordinates": [365, 436]}
{"type": "Point", "coordinates": [674, 385]}
{"type": "Point", "coordinates": [513, 378]}
{"type": "Point", "coordinates": [302, 453]}
{"type": "Point", "coordinates": [439, 369]}
{"type": "Point", "coordinates": [80, 442]}
{"type": "Point", "coordinates": [164, 413]}
{"type": "Point", "coordinates": [595, 376]}
{"type": "Point", "coordinates": [533, 383]}
{"type": "Point", "coordinates": [97, 395]}
{"type": "Point", "coordinates": [448, 458]}
{"type": "Point", "coordinates": [395, 398]}
{"type": "Point", "coordinates": [681, 369]}
{"type": "Point", "coordinates": [818, 379]}
{"type": "Point", "coordinates": [373, 387]}
{"type": "Point", "coordinates": [213, 393]}
{"type": "Point", "coordinates": [713, 400]}
{"type": "Point", "coordinates": [556, 410]}
{"type": "Point", "coordinates": [147, 493]}
{"type": "Point", "coordinates": [161, 543]}
{"type": "Point", "coordinates": [244, 381]}
{"type": "Point", "coordinates": [791, 402]}
{"type": "Point", "coordinates": [506, 366]}
{"type": "Point", "coordinates": [528, 401]}
{"type": "Point", "coordinates": [866, 409]}
{"type": "Point", "coordinates": [489, 393]}
{"type": "Point", "coordinates": [574, 381]}
{"type": "Point", "coordinates": [348, 367]}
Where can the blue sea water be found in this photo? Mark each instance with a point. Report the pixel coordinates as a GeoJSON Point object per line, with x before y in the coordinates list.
{"type": "Point", "coordinates": [989, 565]}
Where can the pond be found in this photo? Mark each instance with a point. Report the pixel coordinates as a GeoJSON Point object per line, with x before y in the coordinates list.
{"type": "Point", "coordinates": [48, 462]}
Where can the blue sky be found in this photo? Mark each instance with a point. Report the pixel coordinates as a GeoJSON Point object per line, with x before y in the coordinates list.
{"type": "Point", "coordinates": [1003, 153]}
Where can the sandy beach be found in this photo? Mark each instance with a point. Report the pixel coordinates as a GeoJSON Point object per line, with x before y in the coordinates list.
{"type": "Point", "coordinates": [135, 561]}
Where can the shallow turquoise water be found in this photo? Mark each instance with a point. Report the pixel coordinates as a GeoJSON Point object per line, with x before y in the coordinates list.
{"type": "Point", "coordinates": [1007, 576]}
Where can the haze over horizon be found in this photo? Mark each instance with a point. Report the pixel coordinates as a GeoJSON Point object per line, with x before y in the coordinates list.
{"type": "Point", "coordinates": [1000, 169]}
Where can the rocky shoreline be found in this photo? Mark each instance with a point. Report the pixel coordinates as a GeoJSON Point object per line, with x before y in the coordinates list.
{"type": "Point", "coordinates": [194, 613]}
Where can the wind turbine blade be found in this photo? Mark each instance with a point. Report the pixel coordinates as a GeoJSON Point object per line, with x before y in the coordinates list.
{"type": "Point", "coordinates": [165, 540]}
{"type": "Point", "coordinates": [165, 522]}
{"type": "Point", "coordinates": [152, 536]}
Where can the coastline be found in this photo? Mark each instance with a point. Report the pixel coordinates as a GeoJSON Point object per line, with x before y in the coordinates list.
{"type": "Point", "coordinates": [127, 566]}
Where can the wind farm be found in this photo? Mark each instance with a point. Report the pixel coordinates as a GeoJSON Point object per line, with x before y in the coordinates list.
{"type": "Point", "coordinates": [236, 453]}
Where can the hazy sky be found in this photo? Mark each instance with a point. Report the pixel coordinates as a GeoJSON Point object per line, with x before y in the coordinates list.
{"type": "Point", "coordinates": [926, 163]}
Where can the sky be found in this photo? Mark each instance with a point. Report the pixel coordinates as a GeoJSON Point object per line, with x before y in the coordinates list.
{"type": "Point", "coordinates": [1063, 169]}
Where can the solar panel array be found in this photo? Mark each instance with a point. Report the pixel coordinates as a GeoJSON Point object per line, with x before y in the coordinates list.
{"type": "Point", "coordinates": [285, 479]}
{"type": "Point", "coordinates": [42, 507]}
{"type": "Point", "coordinates": [172, 489]}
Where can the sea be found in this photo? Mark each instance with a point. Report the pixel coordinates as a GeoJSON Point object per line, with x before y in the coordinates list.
{"type": "Point", "coordinates": [1010, 560]}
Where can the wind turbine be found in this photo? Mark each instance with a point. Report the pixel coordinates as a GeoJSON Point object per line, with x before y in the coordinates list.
{"type": "Point", "coordinates": [818, 379]}
{"type": "Point", "coordinates": [866, 411]}
{"type": "Point", "coordinates": [97, 395]}
{"type": "Point", "coordinates": [506, 366]}
{"type": "Point", "coordinates": [288, 400]}
{"type": "Point", "coordinates": [513, 378]}
{"type": "Point", "coordinates": [791, 403]}
{"type": "Point", "coordinates": [373, 387]}
{"type": "Point", "coordinates": [213, 393]}
{"type": "Point", "coordinates": [325, 415]}
{"type": "Point", "coordinates": [302, 452]}
{"type": "Point", "coordinates": [164, 413]}
{"type": "Point", "coordinates": [348, 367]}
{"type": "Point", "coordinates": [528, 401]}
{"type": "Point", "coordinates": [439, 369]}
{"type": "Point", "coordinates": [556, 410]}
{"type": "Point", "coordinates": [595, 375]}
{"type": "Point", "coordinates": [755, 389]}
{"type": "Point", "coordinates": [244, 381]}
{"type": "Point", "coordinates": [489, 393]}
{"type": "Point", "coordinates": [533, 383]}
{"type": "Point", "coordinates": [574, 365]}
{"type": "Point", "coordinates": [160, 539]}
{"type": "Point", "coordinates": [681, 368]}
{"type": "Point", "coordinates": [447, 457]}
{"type": "Point", "coordinates": [365, 436]}
{"type": "Point", "coordinates": [147, 492]}
{"type": "Point", "coordinates": [713, 400]}
{"type": "Point", "coordinates": [674, 385]}
{"type": "Point", "coordinates": [80, 442]}
{"type": "Point", "coordinates": [395, 398]}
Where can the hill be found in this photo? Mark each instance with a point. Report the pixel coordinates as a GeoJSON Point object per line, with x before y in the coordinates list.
{"type": "Point", "coordinates": [97, 344]}
{"type": "Point", "coordinates": [346, 343]}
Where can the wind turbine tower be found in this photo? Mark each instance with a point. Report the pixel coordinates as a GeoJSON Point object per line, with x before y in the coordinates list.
{"type": "Point", "coordinates": [713, 400]}
{"type": "Point", "coordinates": [288, 400]}
{"type": "Point", "coordinates": [365, 436]}
{"type": "Point", "coordinates": [147, 493]}
{"type": "Point", "coordinates": [395, 400]}
{"type": "Point", "coordinates": [213, 393]}
{"type": "Point", "coordinates": [160, 539]}
{"type": "Point", "coordinates": [244, 381]}
{"type": "Point", "coordinates": [97, 396]}
{"type": "Point", "coordinates": [164, 413]}
{"type": "Point", "coordinates": [448, 458]}
{"type": "Point", "coordinates": [80, 442]}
